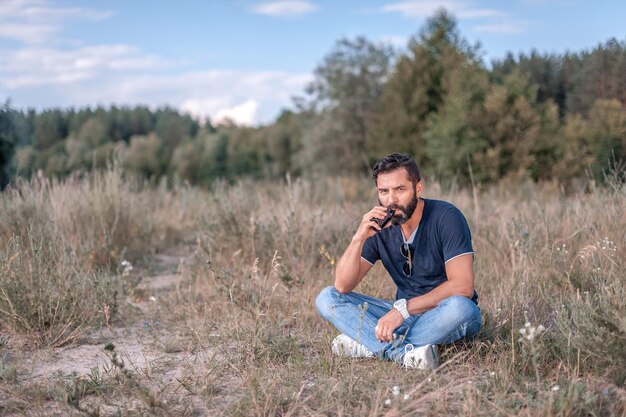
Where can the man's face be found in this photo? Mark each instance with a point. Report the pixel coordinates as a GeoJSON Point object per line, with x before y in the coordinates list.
{"type": "Point", "coordinates": [396, 191]}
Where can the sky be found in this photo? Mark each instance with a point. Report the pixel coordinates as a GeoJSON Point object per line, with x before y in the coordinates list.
{"type": "Point", "coordinates": [245, 59]}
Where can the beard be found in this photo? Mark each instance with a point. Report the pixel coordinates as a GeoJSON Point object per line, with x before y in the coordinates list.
{"type": "Point", "coordinates": [403, 213]}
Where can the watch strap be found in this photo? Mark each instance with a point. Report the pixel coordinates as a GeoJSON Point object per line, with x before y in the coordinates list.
{"type": "Point", "coordinates": [403, 310]}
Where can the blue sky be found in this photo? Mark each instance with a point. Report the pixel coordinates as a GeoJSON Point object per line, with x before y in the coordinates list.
{"type": "Point", "coordinates": [245, 59]}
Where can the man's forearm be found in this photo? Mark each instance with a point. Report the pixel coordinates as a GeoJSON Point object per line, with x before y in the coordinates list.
{"type": "Point", "coordinates": [430, 300]}
{"type": "Point", "coordinates": [347, 271]}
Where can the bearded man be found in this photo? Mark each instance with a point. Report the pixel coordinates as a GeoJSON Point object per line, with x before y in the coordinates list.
{"type": "Point", "coordinates": [427, 251]}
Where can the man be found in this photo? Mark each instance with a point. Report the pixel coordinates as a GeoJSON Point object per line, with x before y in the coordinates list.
{"type": "Point", "coordinates": [427, 250]}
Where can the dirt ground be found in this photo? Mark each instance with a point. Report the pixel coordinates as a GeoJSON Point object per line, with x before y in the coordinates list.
{"type": "Point", "coordinates": [149, 347]}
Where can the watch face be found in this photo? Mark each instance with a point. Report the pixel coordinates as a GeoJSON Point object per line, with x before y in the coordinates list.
{"type": "Point", "coordinates": [399, 303]}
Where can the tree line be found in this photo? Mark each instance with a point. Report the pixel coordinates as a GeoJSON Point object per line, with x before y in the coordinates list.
{"type": "Point", "coordinates": [532, 116]}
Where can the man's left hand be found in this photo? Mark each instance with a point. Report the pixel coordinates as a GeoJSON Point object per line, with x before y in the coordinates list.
{"type": "Point", "coordinates": [387, 324]}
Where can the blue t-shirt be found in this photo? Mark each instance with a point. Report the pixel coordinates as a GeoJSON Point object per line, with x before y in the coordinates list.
{"type": "Point", "coordinates": [442, 235]}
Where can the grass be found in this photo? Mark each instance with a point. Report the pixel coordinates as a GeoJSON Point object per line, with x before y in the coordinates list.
{"type": "Point", "coordinates": [239, 335]}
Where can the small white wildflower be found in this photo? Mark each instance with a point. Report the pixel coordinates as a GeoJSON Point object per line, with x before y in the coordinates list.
{"type": "Point", "coordinates": [407, 397]}
{"type": "Point", "coordinates": [492, 373]}
{"type": "Point", "coordinates": [387, 402]}
{"type": "Point", "coordinates": [430, 379]}
{"type": "Point", "coordinates": [395, 390]}
{"type": "Point", "coordinates": [469, 382]}
{"type": "Point", "coordinates": [152, 298]}
{"type": "Point", "coordinates": [127, 267]}
{"type": "Point", "coordinates": [529, 331]}
{"type": "Point", "coordinates": [556, 388]}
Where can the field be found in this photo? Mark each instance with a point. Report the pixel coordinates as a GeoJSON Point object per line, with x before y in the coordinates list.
{"type": "Point", "coordinates": [121, 297]}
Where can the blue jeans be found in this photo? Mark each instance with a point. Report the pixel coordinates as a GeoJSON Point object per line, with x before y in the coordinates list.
{"type": "Point", "coordinates": [356, 315]}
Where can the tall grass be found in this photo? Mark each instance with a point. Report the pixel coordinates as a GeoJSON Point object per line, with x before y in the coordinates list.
{"type": "Point", "coordinates": [260, 254]}
{"type": "Point", "coordinates": [61, 244]}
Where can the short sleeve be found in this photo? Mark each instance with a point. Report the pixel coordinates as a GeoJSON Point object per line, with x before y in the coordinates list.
{"type": "Point", "coordinates": [370, 250]}
{"type": "Point", "coordinates": [455, 235]}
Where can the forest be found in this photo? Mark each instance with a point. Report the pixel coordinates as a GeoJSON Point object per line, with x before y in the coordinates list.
{"type": "Point", "coordinates": [534, 116]}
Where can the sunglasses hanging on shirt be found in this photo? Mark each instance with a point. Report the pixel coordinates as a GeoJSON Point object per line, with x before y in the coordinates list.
{"type": "Point", "coordinates": [407, 267]}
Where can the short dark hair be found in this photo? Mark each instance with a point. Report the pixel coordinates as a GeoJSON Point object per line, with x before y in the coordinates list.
{"type": "Point", "coordinates": [397, 161]}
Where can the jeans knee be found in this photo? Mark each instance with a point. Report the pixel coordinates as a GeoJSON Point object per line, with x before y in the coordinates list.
{"type": "Point", "coordinates": [325, 301]}
{"type": "Point", "coordinates": [461, 308]}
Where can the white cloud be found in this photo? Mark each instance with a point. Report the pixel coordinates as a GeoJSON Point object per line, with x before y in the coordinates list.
{"type": "Point", "coordinates": [27, 33]}
{"type": "Point", "coordinates": [220, 109]}
{"type": "Point", "coordinates": [38, 66]}
{"type": "Point", "coordinates": [424, 8]}
{"type": "Point", "coordinates": [286, 8]}
{"type": "Point", "coordinates": [247, 97]}
{"type": "Point", "coordinates": [511, 28]}
{"type": "Point", "coordinates": [37, 21]}
{"type": "Point", "coordinates": [203, 107]}
{"type": "Point", "coordinates": [45, 73]}
{"type": "Point", "coordinates": [244, 114]}
{"type": "Point", "coordinates": [42, 10]}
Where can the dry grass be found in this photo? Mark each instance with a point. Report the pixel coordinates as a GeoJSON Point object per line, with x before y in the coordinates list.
{"type": "Point", "coordinates": [239, 334]}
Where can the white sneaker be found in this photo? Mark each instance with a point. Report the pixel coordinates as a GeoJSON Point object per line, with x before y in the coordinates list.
{"type": "Point", "coordinates": [423, 357]}
{"type": "Point", "coordinates": [345, 346]}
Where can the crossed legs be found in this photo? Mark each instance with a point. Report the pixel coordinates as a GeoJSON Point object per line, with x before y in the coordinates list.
{"type": "Point", "coordinates": [356, 315]}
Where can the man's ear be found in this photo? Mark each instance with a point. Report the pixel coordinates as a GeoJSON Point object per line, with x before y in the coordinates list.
{"type": "Point", "coordinates": [419, 187]}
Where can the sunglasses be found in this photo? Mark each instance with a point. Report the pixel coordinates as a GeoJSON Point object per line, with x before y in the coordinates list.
{"type": "Point", "coordinates": [407, 267]}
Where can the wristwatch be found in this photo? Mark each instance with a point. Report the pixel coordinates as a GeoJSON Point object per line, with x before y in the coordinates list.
{"type": "Point", "coordinates": [400, 305]}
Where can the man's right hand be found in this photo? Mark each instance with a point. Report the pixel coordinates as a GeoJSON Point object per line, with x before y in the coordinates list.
{"type": "Point", "coordinates": [369, 227]}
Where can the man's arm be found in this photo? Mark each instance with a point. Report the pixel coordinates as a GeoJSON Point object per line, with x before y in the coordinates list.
{"type": "Point", "coordinates": [351, 268]}
{"type": "Point", "coordinates": [460, 272]}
